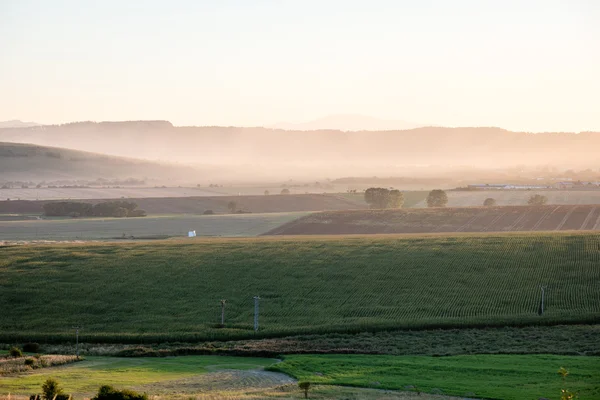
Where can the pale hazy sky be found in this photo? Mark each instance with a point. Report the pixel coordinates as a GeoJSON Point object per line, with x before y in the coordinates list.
{"type": "Point", "coordinates": [519, 64]}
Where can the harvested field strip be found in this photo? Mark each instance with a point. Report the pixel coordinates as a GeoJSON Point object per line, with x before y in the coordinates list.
{"type": "Point", "coordinates": [474, 219]}
{"type": "Point", "coordinates": [307, 285]}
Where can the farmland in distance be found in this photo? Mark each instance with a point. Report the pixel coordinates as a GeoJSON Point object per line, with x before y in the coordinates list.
{"type": "Point", "coordinates": [476, 198]}
{"type": "Point", "coordinates": [151, 227]}
{"type": "Point", "coordinates": [457, 219]}
{"type": "Point", "coordinates": [167, 291]}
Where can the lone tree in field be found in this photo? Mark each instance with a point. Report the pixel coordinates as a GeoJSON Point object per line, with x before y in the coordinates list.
{"type": "Point", "coordinates": [489, 202]}
{"type": "Point", "coordinates": [304, 386]}
{"type": "Point", "coordinates": [537, 200]}
{"type": "Point", "coordinates": [266, 192]}
{"type": "Point", "coordinates": [437, 198]}
{"type": "Point", "coordinates": [232, 206]}
{"type": "Point", "coordinates": [384, 198]}
{"type": "Point", "coordinates": [285, 191]}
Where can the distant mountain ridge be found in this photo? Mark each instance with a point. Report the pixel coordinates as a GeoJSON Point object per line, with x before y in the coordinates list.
{"type": "Point", "coordinates": [330, 153]}
{"type": "Point", "coordinates": [347, 122]}
{"type": "Point", "coordinates": [15, 123]}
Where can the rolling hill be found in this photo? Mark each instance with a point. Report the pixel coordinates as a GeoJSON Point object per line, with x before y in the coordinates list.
{"type": "Point", "coordinates": [27, 162]}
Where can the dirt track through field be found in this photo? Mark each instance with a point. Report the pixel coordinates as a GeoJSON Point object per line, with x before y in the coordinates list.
{"type": "Point", "coordinates": [222, 380]}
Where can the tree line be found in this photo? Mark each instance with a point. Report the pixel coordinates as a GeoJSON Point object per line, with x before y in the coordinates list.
{"type": "Point", "coordinates": [393, 198]}
{"type": "Point", "coordinates": [115, 208]}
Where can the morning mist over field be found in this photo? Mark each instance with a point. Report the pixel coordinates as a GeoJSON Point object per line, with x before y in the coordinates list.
{"type": "Point", "coordinates": [285, 199]}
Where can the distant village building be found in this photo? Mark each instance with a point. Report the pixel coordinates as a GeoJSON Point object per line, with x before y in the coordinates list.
{"type": "Point", "coordinates": [506, 186]}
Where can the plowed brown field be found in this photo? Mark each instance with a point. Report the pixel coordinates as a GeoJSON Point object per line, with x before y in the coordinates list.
{"type": "Point", "coordinates": [459, 219]}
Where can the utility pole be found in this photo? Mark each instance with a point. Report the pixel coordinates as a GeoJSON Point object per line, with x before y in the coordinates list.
{"type": "Point", "coordinates": [543, 288]}
{"type": "Point", "coordinates": [256, 299]}
{"type": "Point", "coordinates": [76, 339]}
{"type": "Point", "coordinates": [223, 312]}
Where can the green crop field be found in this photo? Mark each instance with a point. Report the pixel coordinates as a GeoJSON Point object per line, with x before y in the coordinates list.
{"type": "Point", "coordinates": [508, 377]}
{"type": "Point", "coordinates": [170, 290]}
{"type": "Point", "coordinates": [147, 227]}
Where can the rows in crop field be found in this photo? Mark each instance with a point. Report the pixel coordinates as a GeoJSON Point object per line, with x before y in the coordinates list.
{"type": "Point", "coordinates": [173, 289]}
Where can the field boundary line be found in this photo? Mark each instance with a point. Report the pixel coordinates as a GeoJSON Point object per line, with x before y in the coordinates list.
{"type": "Point", "coordinates": [597, 224]}
{"type": "Point", "coordinates": [587, 219]}
{"type": "Point", "coordinates": [565, 218]}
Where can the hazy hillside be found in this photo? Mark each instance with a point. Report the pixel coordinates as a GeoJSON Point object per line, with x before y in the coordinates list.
{"type": "Point", "coordinates": [347, 122]}
{"type": "Point", "coordinates": [15, 123]}
{"type": "Point", "coordinates": [329, 153]}
{"type": "Point", "coordinates": [25, 162]}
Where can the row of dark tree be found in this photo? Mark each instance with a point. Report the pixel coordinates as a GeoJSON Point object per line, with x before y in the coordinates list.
{"type": "Point", "coordinates": [393, 198]}
{"type": "Point", "coordinates": [115, 208]}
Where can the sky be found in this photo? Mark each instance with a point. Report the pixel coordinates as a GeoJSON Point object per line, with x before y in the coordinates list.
{"type": "Point", "coordinates": [524, 65]}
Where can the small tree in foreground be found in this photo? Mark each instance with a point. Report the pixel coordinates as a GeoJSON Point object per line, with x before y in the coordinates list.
{"type": "Point", "coordinates": [110, 393]}
{"type": "Point", "coordinates": [489, 202]}
{"type": "Point", "coordinates": [51, 389]}
{"type": "Point", "coordinates": [565, 394]}
{"type": "Point", "coordinates": [304, 386]}
{"type": "Point", "coordinates": [437, 198]}
{"type": "Point", "coordinates": [537, 200]}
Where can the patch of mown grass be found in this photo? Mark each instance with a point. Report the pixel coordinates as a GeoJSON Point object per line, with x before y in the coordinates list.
{"type": "Point", "coordinates": [484, 376]}
{"type": "Point", "coordinates": [171, 290]}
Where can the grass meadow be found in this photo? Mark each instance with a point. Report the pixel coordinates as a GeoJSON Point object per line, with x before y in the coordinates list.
{"type": "Point", "coordinates": [171, 290]}
{"type": "Point", "coordinates": [514, 377]}
{"type": "Point", "coordinates": [85, 377]}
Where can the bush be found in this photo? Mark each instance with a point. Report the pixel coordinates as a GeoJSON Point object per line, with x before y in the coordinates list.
{"type": "Point", "coordinates": [109, 393]}
{"type": "Point", "coordinates": [31, 348]}
{"type": "Point", "coordinates": [29, 362]}
{"type": "Point", "coordinates": [50, 389]}
{"type": "Point", "coordinates": [208, 212]}
{"type": "Point", "coordinates": [489, 202]}
{"type": "Point", "coordinates": [437, 198]}
{"type": "Point", "coordinates": [537, 200]}
{"type": "Point", "coordinates": [15, 352]}
{"type": "Point", "coordinates": [137, 213]}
